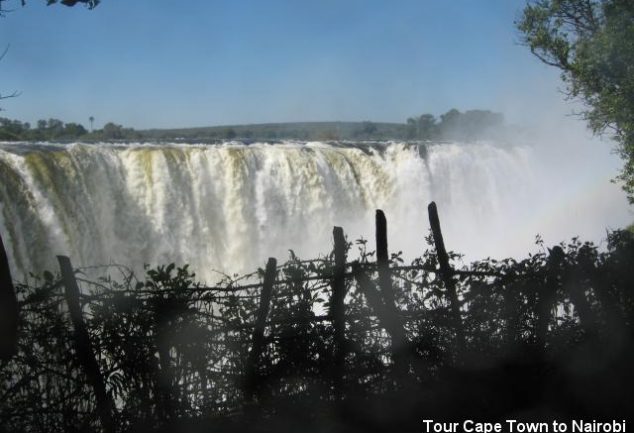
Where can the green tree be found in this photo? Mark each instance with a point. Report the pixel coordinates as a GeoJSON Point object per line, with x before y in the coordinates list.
{"type": "Point", "coordinates": [13, 129]}
{"type": "Point", "coordinates": [74, 130]}
{"type": "Point", "coordinates": [55, 128]}
{"type": "Point", "coordinates": [450, 124]}
{"type": "Point", "coordinates": [592, 43]}
{"type": "Point", "coordinates": [423, 127]}
{"type": "Point", "coordinates": [112, 131]}
{"type": "Point", "coordinates": [426, 126]}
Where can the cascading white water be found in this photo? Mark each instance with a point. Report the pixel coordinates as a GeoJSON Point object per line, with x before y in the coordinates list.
{"type": "Point", "coordinates": [228, 207]}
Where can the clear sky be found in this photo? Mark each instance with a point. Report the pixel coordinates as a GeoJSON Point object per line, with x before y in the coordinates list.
{"type": "Point", "coordinates": [160, 63]}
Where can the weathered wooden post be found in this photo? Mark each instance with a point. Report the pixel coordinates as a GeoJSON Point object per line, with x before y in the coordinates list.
{"type": "Point", "coordinates": [8, 309]}
{"type": "Point", "coordinates": [251, 384]}
{"type": "Point", "coordinates": [83, 347]}
{"type": "Point", "coordinates": [384, 304]}
{"type": "Point", "coordinates": [446, 272]}
{"type": "Point", "coordinates": [337, 312]}
{"type": "Point", "coordinates": [383, 259]}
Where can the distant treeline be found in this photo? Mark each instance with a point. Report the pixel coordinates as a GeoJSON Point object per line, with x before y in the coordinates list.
{"type": "Point", "coordinates": [453, 125]}
{"type": "Point", "coordinates": [55, 129]}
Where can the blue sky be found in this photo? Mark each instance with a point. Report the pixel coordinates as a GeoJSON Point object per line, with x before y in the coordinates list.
{"type": "Point", "coordinates": [159, 63]}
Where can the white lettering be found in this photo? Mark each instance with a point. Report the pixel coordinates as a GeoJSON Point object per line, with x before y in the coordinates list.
{"type": "Point", "coordinates": [580, 426]}
{"type": "Point", "coordinates": [529, 427]}
{"type": "Point", "coordinates": [440, 427]}
{"type": "Point", "coordinates": [469, 426]}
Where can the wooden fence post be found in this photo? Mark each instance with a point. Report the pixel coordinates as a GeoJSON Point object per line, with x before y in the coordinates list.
{"type": "Point", "coordinates": [105, 405]}
{"type": "Point", "coordinates": [257, 341]}
{"type": "Point", "coordinates": [337, 312]}
{"type": "Point", "coordinates": [8, 309]}
{"type": "Point", "coordinates": [383, 259]}
{"type": "Point", "coordinates": [446, 272]}
{"type": "Point", "coordinates": [385, 304]}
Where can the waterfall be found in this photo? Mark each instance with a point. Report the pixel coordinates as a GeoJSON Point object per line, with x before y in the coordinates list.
{"type": "Point", "coordinates": [228, 207]}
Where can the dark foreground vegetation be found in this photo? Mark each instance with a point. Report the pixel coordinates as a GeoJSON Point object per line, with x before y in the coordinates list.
{"type": "Point", "coordinates": [327, 345]}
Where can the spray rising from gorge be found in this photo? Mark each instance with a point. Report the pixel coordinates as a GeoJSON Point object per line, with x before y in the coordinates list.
{"type": "Point", "coordinates": [228, 207]}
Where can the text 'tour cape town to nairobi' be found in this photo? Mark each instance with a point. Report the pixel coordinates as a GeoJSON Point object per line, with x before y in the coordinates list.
{"type": "Point", "coordinates": [515, 426]}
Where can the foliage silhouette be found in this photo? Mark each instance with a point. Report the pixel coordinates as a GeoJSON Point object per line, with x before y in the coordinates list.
{"type": "Point", "coordinates": [547, 336]}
